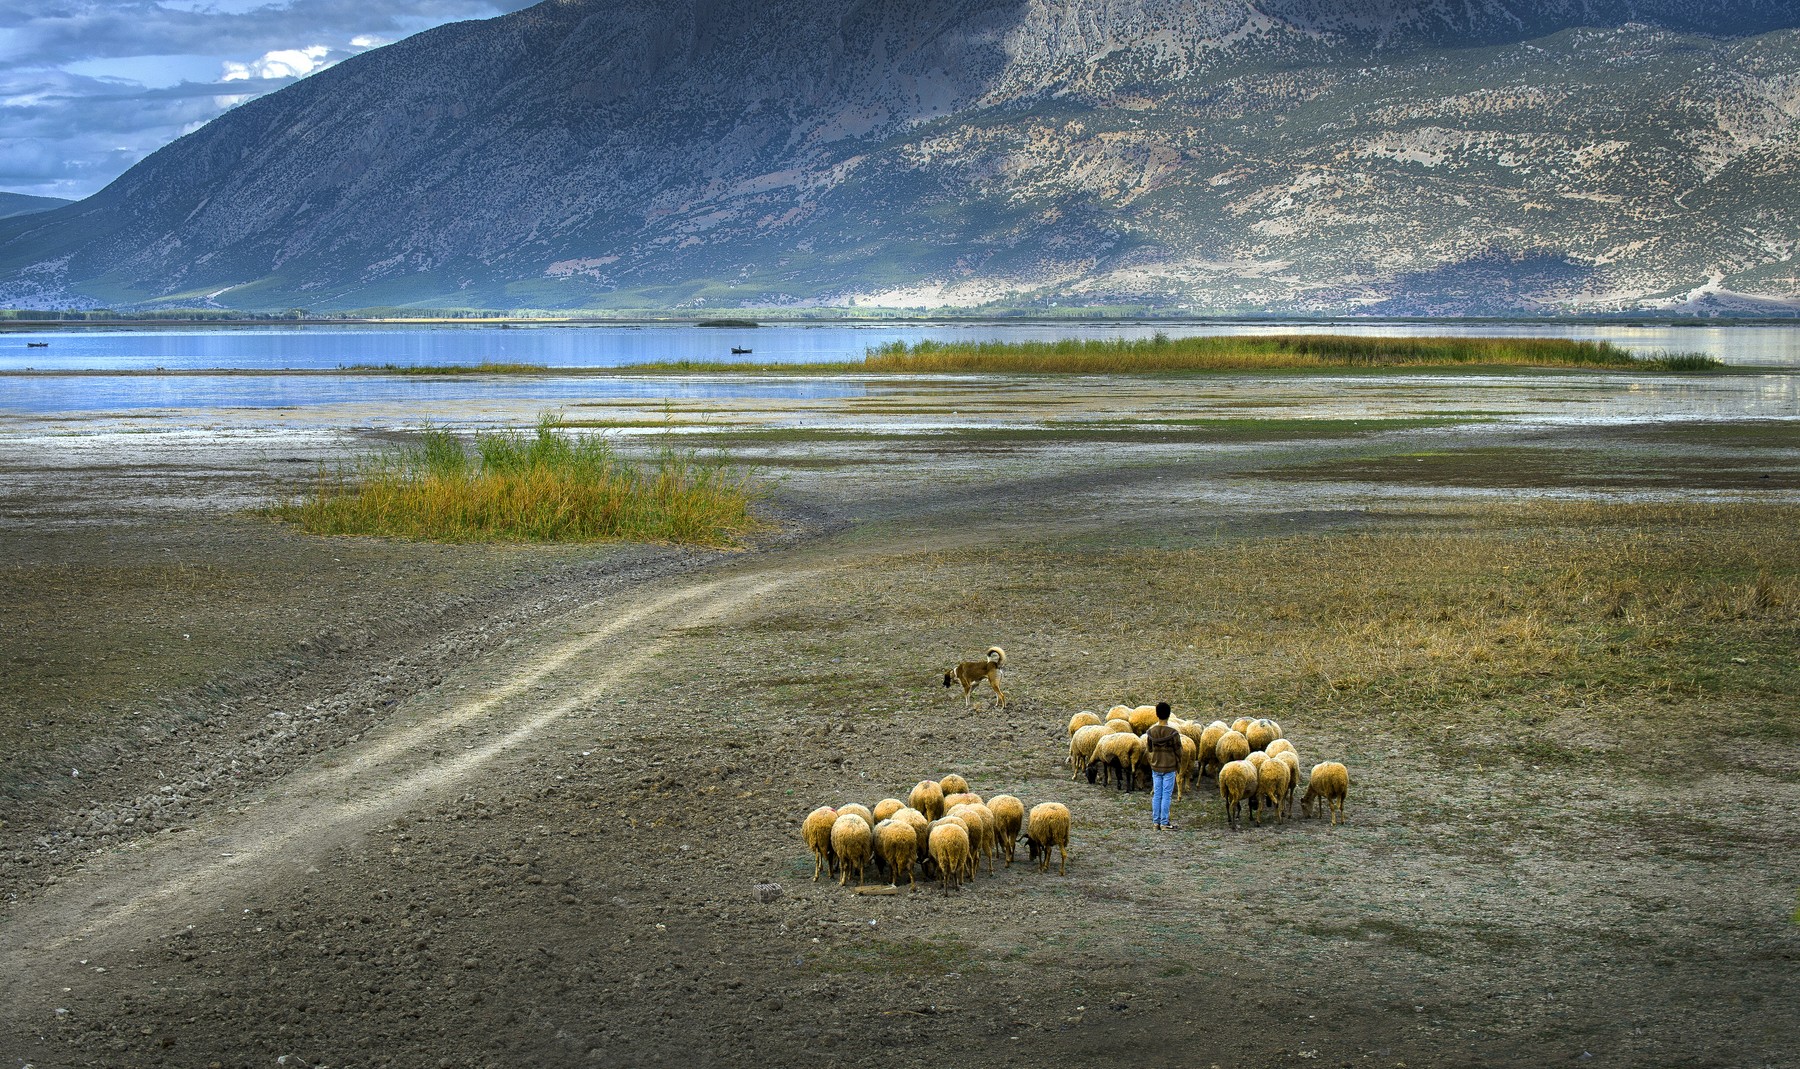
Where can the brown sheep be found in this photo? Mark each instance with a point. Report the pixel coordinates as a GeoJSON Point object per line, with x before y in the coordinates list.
{"type": "Point", "coordinates": [853, 842]}
{"type": "Point", "coordinates": [951, 801]}
{"type": "Point", "coordinates": [1276, 747]}
{"type": "Point", "coordinates": [1114, 757]}
{"type": "Point", "coordinates": [928, 798]}
{"type": "Point", "coordinates": [1329, 782]}
{"type": "Point", "coordinates": [982, 828]}
{"type": "Point", "coordinates": [860, 810]}
{"type": "Point", "coordinates": [1232, 746]}
{"type": "Point", "coordinates": [816, 830]}
{"type": "Point", "coordinates": [1292, 760]}
{"type": "Point", "coordinates": [1257, 757]}
{"type": "Point", "coordinates": [1081, 748]}
{"type": "Point", "coordinates": [1119, 712]}
{"type": "Point", "coordinates": [1209, 747]}
{"type": "Point", "coordinates": [1142, 718]}
{"type": "Point", "coordinates": [1081, 720]}
{"type": "Point", "coordinates": [897, 845]}
{"type": "Point", "coordinates": [1237, 784]}
{"type": "Point", "coordinates": [1260, 733]}
{"type": "Point", "coordinates": [887, 807]}
{"type": "Point", "coordinates": [1242, 724]}
{"type": "Point", "coordinates": [921, 827]}
{"type": "Point", "coordinates": [1273, 780]}
{"type": "Point", "coordinates": [1190, 760]}
{"type": "Point", "coordinates": [950, 851]}
{"type": "Point", "coordinates": [953, 784]}
{"type": "Point", "coordinates": [1009, 817]}
{"type": "Point", "coordinates": [1048, 826]}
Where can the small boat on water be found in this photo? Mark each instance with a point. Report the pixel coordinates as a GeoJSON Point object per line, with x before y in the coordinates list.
{"type": "Point", "coordinates": [37, 345]}
{"type": "Point", "coordinates": [735, 351]}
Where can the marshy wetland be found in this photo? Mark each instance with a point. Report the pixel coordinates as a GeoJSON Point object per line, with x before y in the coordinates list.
{"type": "Point", "coordinates": [361, 801]}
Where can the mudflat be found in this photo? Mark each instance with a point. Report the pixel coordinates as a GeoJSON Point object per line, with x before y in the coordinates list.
{"type": "Point", "coordinates": [352, 802]}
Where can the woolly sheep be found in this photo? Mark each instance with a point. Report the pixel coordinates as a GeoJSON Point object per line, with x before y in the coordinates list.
{"type": "Point", "coordinates": [1116, 727]}
{"type": "Point", "coordinates": [1242, 724]}
{"type": "Point", "coordinates": [928, 798]}
{"type": "Point", "coordinates": [1114, 757]}
{"type": "Point", "coordinates": [1257, 757]}
{"type": "Point", "coordinates": [1189, 728]}
{"type": "Point", "coordinates": [1119, 712]}
{"type": "Point", "coordinates": [919, 824]}
{"type": "Point", "coordinates": [1260, 733]}
{"type": "Point", "coordinates": [953, 784]}
{"type": "Point", "coordinates": [897, 844]}
{"type": "Point", "coordinates": [1292, 760]}
{"type": "Point", "coordinates": [1081, 748]}
{"type": "Point", "coordinates": [1009, 817]}
{"type": "Point", "coordinates": [1237, 783]}
{"type": "Point", "coordinates": [1232, 746]}
{"type": "Point", "coordinates": [1140, 762]}
{"type": "Point", "coordinates": [1209, 747]}
{"type": "Point", "coordinates": [816, 830]}
{"type": "Point", "coordinates": [1190, 759]}
{"type": "Point", "coordinates": [951, 801]}
{"type": "Point", "coordinates": [860, 810]}
{"type": "Point", "coordinates": [1277, 747]}
{"type": "Point", "coordinates": [1081, 720]}
{"type": "Point", "coordinates": [1143, 718]}
{"type": "Point", "coordinates": [1048, 826]}
{"type": "Point", "coordinates": [1329, 782]}
{"type": "Point", "coordinates": [854, 844]}
{"type": "Point", "coordinates": [982, 827]}
{"type": "Point", "coordinates": [1273, 778]}
{"type": "Point", "coordinates": [887, 807]}
{"type": "Point", "coordinates": [950, 851]}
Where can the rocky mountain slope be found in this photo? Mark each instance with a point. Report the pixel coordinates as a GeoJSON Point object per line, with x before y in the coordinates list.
{"type": "Point", "coordinates": [1387, 156]}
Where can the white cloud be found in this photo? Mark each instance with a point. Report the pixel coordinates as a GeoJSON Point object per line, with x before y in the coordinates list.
{"type": "Point", "coordinates": [369, 40]}
{"type": "Point", "coordinates": [281, 63]}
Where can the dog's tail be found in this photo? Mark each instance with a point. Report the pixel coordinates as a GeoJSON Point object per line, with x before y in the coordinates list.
{"type": "Point", "coordinates": [949, 678]}
{"type": "Point", "coordinates": [996, 656]}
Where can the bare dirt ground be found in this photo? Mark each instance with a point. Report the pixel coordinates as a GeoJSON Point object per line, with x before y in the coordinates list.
{"type": "Point", "coordinates": [440, 806]}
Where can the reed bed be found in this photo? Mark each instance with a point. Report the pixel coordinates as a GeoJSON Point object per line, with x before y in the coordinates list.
{"type": "Point", "coordinates": [1162, 354]}
{"type": "Point", "coordinates": [529, 486]}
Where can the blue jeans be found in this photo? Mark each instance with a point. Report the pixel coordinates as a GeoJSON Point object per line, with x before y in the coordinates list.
{"type": "Point", "coordinates": [1161, 790]}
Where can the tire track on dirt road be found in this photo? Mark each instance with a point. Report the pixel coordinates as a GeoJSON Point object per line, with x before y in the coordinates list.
{"type": "Point", "coordinates": [165, 881]}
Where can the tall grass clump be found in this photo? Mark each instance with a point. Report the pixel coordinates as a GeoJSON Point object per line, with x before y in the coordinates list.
{"type": "Point", "coordinates": [1272, 352]}
{"type": "Point", "coordinates": [528, 486]}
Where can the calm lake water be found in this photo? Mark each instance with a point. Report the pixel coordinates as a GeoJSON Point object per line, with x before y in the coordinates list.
{"type": "Point", "coordinates": [328, 348]}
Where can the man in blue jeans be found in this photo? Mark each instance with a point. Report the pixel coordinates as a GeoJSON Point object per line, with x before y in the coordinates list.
{"type": "Point", "coordinates": [1165, 758]}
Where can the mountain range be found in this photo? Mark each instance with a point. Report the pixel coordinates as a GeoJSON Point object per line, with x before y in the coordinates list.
{"type": "Point", "coordinates": [1390, 157]}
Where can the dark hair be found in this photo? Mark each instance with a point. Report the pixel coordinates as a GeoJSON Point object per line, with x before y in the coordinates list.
{"type": "Point", "coordinates": [1162, 710]}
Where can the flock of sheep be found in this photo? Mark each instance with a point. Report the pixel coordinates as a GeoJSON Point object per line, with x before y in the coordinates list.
{"type": "Point", "coordinates": [942, 827]}
{"type": "Point", "coordinates": [1253, 762]}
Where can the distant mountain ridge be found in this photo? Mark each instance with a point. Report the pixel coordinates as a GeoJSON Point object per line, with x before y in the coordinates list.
{"type": "Point", "coordinates": [1221, 156]}
{"type": "Point", "coordinates": [12, 204]}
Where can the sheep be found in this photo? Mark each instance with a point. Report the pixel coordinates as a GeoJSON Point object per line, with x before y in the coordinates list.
{"type": "Point", "coordinates": [1257, 757]}
{"type": "Point", "coordinates": [1140, 761]}
{"type": "Point", "coordinates": [1190, 759]}
{"type": "Point", "coordinates": [897, 844]}
{"type": "Point", "coordinates": [1116, 727]}
{"type": "Point", "coordinates": [953, 784]}
{"type": "Point", "coordinates": [1242, 724]}
{"type": "Point", "coordinates": [854, 843]}
{"type": "Point", "coordinates": [1273, 780]}
{"type": "Point", "coordinates": [1276, 724]}
{"type": "Point", "coordinates": [1119, 712]}
{"type": "Point", "coordinates": [1115, 757]}
{"type": "Point", "coordinates": [887, 807]}
{"type": "Point", "coordinates": [982, 828]}
{"type": "Point", "coordinates": [1048, 826]}
{"type": "Point", "coordinates": [951, 801]}
{"type": "Point", "coordinates": [816, 830]}
{"type": "Point", "coordinates": [921, 827]}
{"type": "Point", "coordinates": [1142, 718]}
{"type": "Point", "coordinates": [1237, 782]}
{"type": "Point", "coordinates": [1277, 747]}
{"type": "Point", "coordinates": [1009, 817]}
{"type": "Point", "coordinates": [1081, 748]}
{"type": "Point", "coordinates": [950, 851]}
{"type": "Point", "coordinates": [1209, 747]}
{"type": "Point", "coordinates": [1260, 733]}
{"type": "Point", "coordinates": [1232, 746]}
{"type": "Point", "coordinates": [1190, 729]}
{"type": "Point", "coordinates": [1329, 782]}
{"type": "Point", "coordinates": [928, 798]}
{"type": "Point", "coordinates": [860, 810]}
{"type": "Point", "coordinates": [1292, 760]}
{"type": "Point", "coordinates": [1081, 720]}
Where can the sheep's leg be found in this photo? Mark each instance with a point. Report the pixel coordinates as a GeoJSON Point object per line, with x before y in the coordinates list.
{"type": "Point", "coordinates": [1062, 868]}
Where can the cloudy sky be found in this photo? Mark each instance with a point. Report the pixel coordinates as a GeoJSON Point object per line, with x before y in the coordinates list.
{"type": "Point", "coordinates": [90, 87]}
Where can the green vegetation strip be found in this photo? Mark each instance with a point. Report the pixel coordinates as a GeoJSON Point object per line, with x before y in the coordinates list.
{"type": "Point", "coordinates": [539, 486]}
{"type": "Point", "coordinates": [1283, 351]}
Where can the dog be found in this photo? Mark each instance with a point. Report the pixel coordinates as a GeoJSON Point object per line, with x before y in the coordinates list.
{"type": "Point", "coordinates": [969, 673]}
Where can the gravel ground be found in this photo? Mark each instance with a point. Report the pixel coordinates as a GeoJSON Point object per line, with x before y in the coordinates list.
{"type": "Point", "coordinates": [427, 806]}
